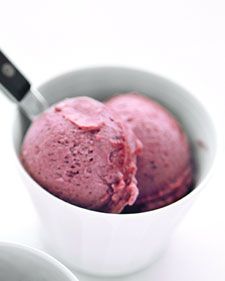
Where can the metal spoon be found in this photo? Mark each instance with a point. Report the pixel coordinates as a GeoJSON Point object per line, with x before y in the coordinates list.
{"type": "Point", "coordinates": [17, 88]}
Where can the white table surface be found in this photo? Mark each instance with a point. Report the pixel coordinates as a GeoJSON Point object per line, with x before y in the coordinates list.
{"type": "Point", "coordinates": [183, 40]}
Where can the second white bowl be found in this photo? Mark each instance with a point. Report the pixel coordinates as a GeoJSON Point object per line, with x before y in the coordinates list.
{"type": "Point", "coordinates": [21, 263]}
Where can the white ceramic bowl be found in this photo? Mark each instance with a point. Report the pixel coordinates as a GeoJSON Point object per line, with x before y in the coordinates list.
{"type": "Point", "coordinates": [20, 263]}
{"type": "Point", "coordinates": [116, 244]}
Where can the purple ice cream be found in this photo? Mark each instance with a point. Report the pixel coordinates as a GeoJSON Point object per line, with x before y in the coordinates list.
{"type": "Point", "coordinates": [165, 168]}
{"type": "Point", "coordinates": [81, 152]}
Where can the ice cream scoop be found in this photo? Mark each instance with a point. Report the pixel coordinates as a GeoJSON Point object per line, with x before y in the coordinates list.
{"type": "Point", "coordinates": [81, 152]}
{"type": "Point", "coordinates": [165, 170]}
{"type": "Point", "coordinates": [17, 87]}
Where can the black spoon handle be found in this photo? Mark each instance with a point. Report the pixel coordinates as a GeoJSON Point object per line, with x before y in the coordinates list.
{"type": "Point", "coordinates": [11, 79]}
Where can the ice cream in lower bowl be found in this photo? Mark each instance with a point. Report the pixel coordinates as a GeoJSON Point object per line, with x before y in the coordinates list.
{"type": "Point", "coordinates": [112, 176]}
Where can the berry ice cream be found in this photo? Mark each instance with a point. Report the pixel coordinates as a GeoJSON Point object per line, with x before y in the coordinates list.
{"type": "Point", "coordinates": [165, 170]}
{"type": "Point", "coordinates": [81, 152]}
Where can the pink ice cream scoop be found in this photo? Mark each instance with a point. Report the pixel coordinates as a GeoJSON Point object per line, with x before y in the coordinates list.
{"type": "Point", "coordinates": [165, 170]}
{"type": "Point", "coordinates": [81, 152]}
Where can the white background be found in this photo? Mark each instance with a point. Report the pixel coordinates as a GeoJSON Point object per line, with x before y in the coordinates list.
{"type": "Point", "coordinates": [183, 40]}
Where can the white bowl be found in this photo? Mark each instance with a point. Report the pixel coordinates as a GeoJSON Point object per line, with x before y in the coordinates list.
{"type": "Point", "coordinates": [117, 244]}
{"type": "Point", "coordinates": [19, 263]}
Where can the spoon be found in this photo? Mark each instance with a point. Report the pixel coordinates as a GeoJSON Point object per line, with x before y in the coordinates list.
{"type": "Point", "coordinates": [19, 89]}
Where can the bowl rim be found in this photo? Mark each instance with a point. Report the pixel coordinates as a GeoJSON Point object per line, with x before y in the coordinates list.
{"type": "Point", "coordinates": [40, 255]}
{"type": "Point", "coordinates": [177, 203]}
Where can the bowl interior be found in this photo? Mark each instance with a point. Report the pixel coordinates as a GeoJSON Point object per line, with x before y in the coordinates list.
{"type": "Point", "coordinates": [101, 83]}
{"type": "Point", "coordinates": [18, 263]}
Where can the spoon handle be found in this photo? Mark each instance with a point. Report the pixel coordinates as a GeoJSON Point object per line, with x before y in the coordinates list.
{"type": "Point", "coordinates": [12, 80]}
